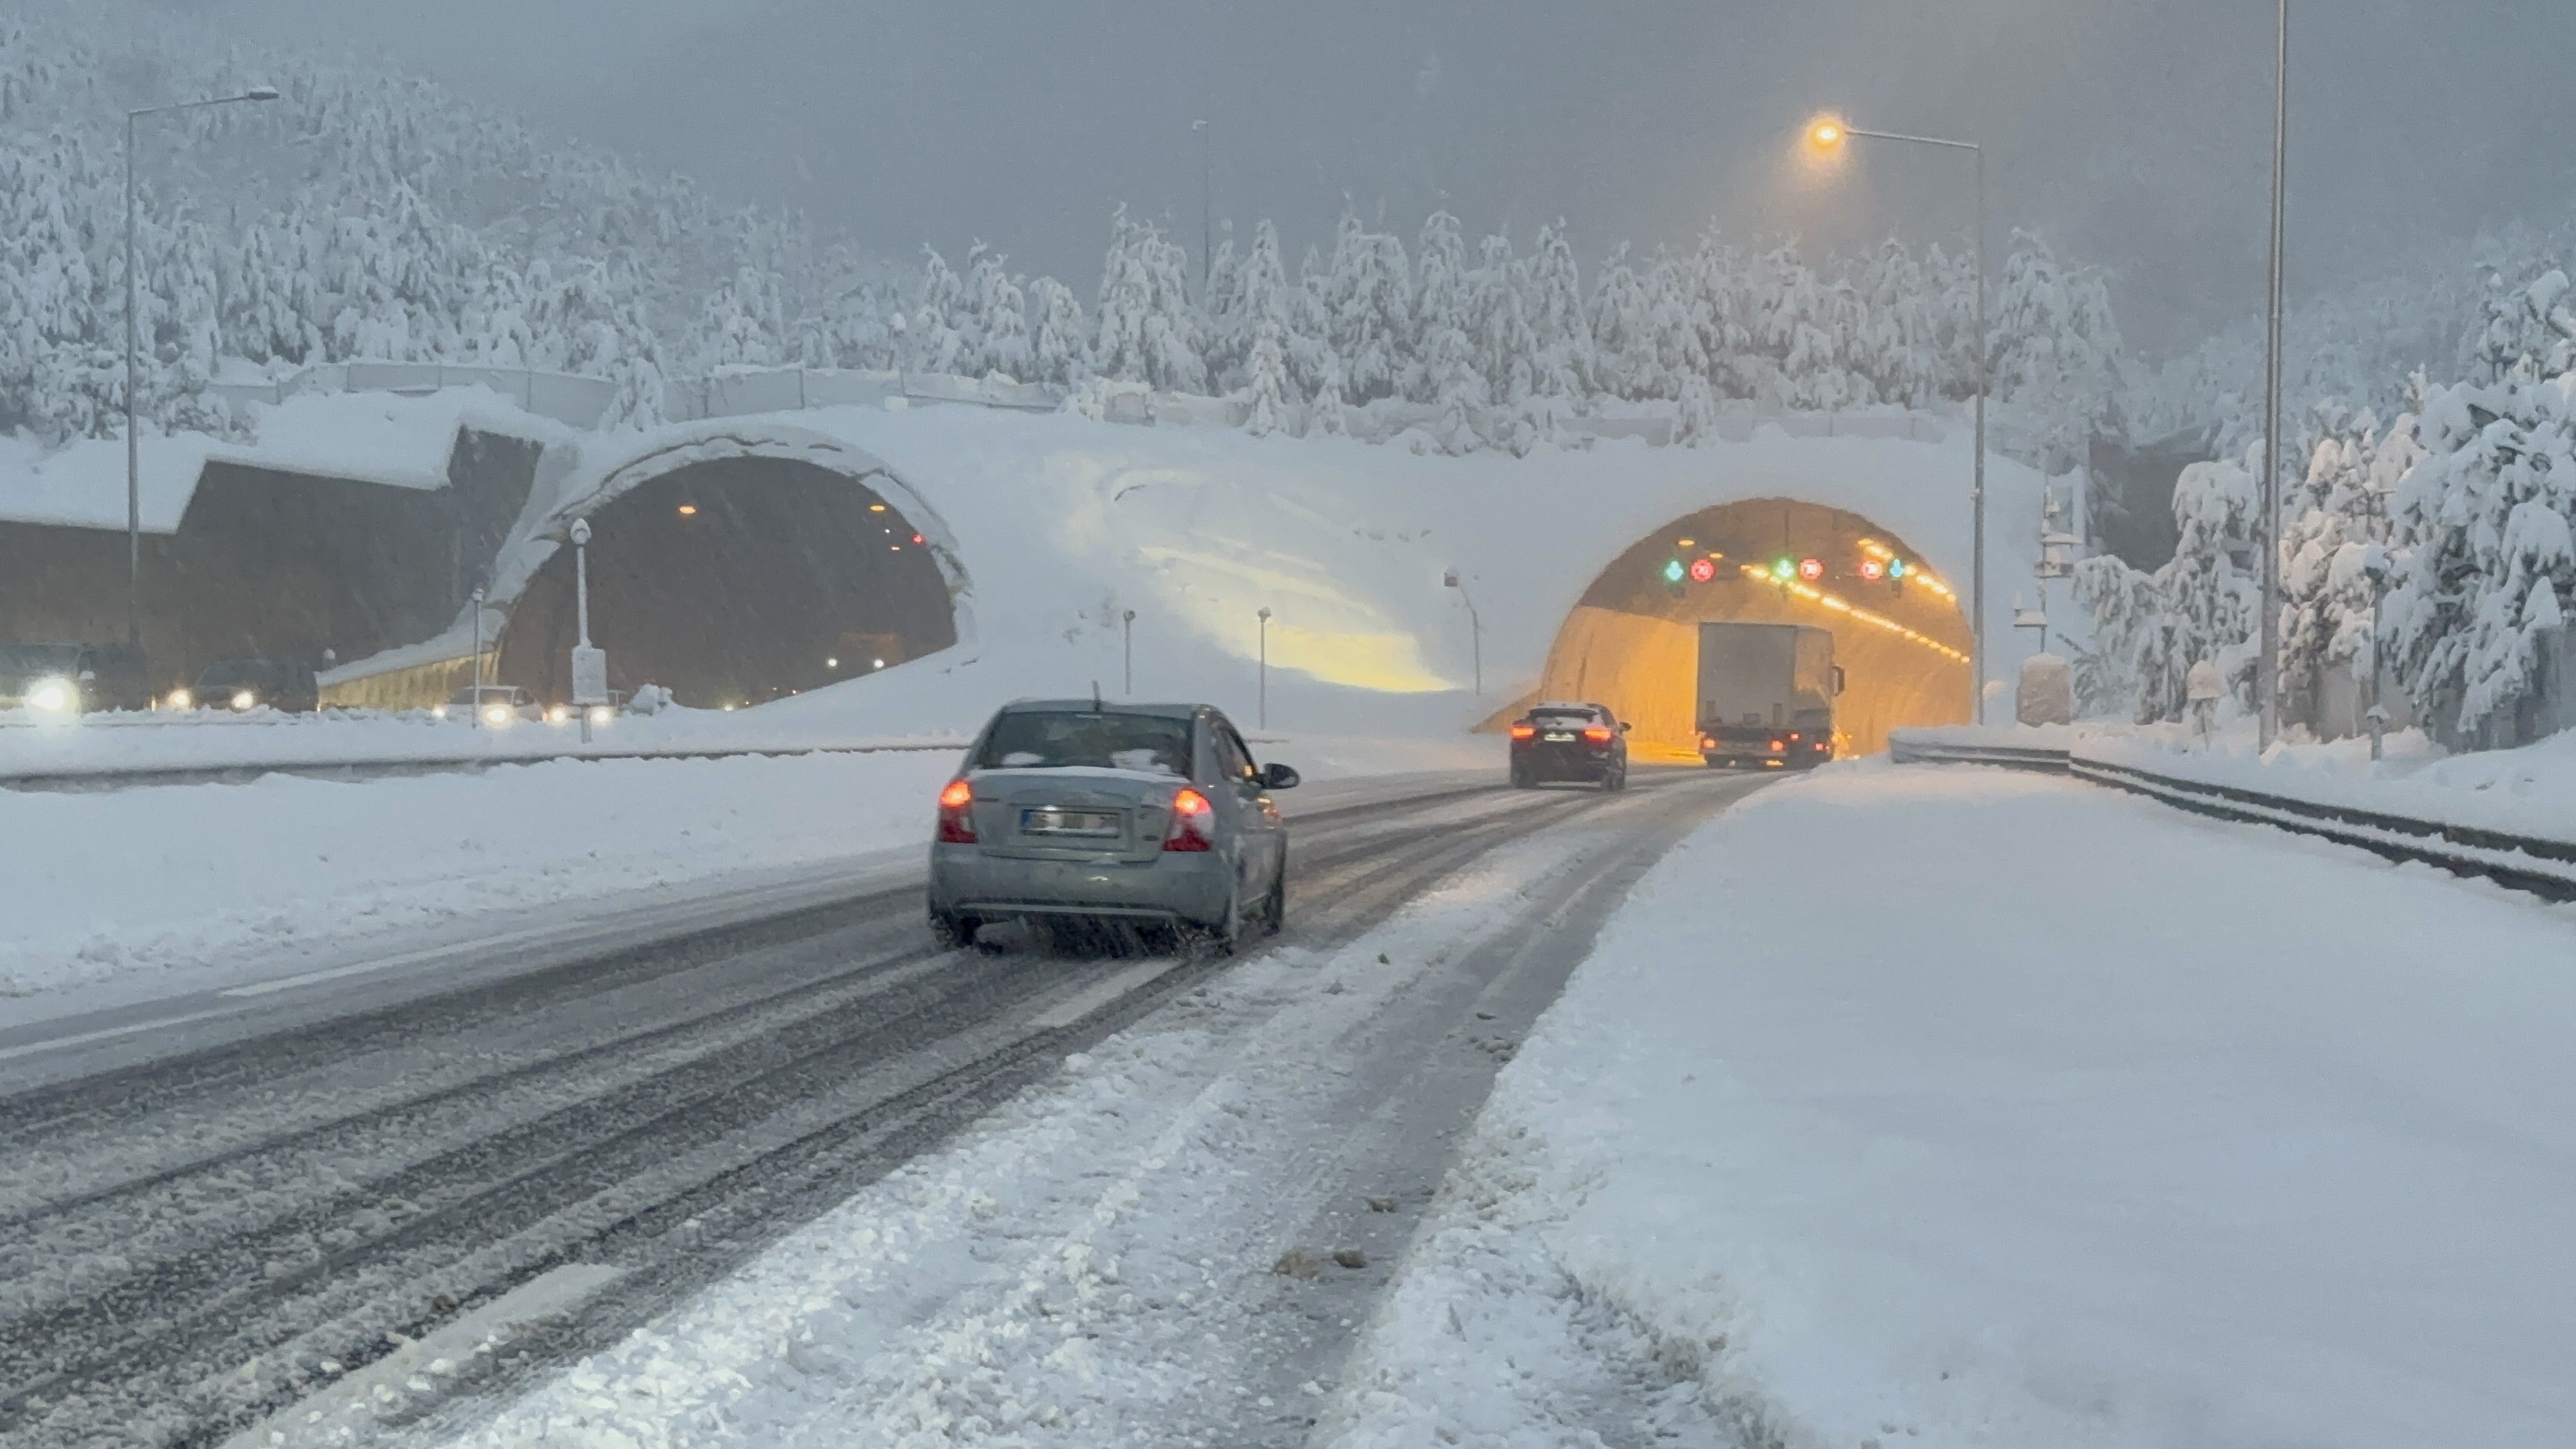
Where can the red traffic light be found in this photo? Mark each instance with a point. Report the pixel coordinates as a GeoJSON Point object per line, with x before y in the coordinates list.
{"type": "Point", "coordinates": [1811, 569]}
{"type": "Point", "coordinates": [1702, 570]}
{"type": "Point", "coordinates": [1872, 570]}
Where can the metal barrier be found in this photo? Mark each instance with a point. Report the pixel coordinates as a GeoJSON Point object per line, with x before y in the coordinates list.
{"type": "Point", "coordinates": [391, 767]}
{"type": "Point", "coordinates": [2536, 864]}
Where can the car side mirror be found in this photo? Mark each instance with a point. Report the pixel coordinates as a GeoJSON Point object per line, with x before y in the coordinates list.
{"type": "Point", "coordinates": [1278, 777]}
{"type": "Point", "coordinates": [1839, 679]}
{"type": "Point", "coordinates": [1624, 727]}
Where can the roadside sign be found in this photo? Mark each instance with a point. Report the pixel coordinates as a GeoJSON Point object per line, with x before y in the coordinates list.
{"type": "Point", "coordinates": [589, 676]}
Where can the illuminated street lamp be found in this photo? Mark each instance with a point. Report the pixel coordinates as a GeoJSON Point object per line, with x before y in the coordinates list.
{"type": "Point", "coordinates": [2267, 669]}
{"type": "Point", "coordinates": [133, 441]}
{"type": "Point", "coordinates": [1831, 133]}
{"type": "Point", "coordinates": [1475, 627]}
{"type": "Point", "coordinates": [1265, 666]}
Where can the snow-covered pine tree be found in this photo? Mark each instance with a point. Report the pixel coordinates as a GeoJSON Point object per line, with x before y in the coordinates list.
{"type": "Point", "coordinates": [2485, 553]}
{"type": "Point", "coordinates": [1266, 386]}
{"type": "Point", "coordinates": [932, 339]}
{"type": "Point", "coordinates": [1056, 332]}
{"type": "Point", "coordinates": [1675, 326]}
{"type": "Point", "coordinates": [1147, 328]}
{"type": "Point", "coordinates": [1001, 324]}
{"type": "Point", "coordinates": [1225, 333]}
{"type": "Point", "coordinates": [2526, 328]}
{"type": "Point", "coordinates": [1563, 364]}
{"type": "Point", "coordinates": [1367, 302]}
{"type": "Point", "coordinates": [2332, 519]}
{"type": "Point", "coordinates": [1312, 362]}
{"type": "Point", "coordinates": [1720, 297]}
{"type": "Point", "coordinates": [1695, 421]}
{"type": "Point", "coordinates": [2056, 349]}
{"type": "Point", "coordinates": [1440, 362]}
{"type": "Point", "coordinates": [739, 324]}
{"type": "Point", "coordinates": [1623, 343]}
{"type": "Point", "coordinates": [1506, 350]}
{"type": "Point", "coordinates": [2201, 605]}
{"type": "Point", "coordinates": [1899, 344]}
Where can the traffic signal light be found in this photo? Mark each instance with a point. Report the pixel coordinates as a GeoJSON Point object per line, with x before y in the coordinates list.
{"type": "Point", "coordinates": [1784, 569]}
{"type": "Point", "coordinates": [1673, 572]}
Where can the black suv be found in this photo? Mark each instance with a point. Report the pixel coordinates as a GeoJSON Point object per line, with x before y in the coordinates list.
{"type": "Point", "coordinates": [1581, 743]}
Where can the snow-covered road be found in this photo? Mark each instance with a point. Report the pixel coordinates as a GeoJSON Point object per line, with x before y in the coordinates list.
{"type": "Point", "coordinates": [1948, 1106]}
{"type": "Point", "coordinates": [206, 1241]}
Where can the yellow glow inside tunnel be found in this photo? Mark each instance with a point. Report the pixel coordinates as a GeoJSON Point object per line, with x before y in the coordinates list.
{"type": "Point", "coordinates": [1633, 642]}
{"type": "Point", "coordinates": [1317, 627]}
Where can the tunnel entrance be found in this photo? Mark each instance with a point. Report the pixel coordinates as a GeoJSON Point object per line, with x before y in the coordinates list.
{"type": "Point", "coordinates": [1899, 634]}
{"type": "Point", "coordinates": [735, 581]}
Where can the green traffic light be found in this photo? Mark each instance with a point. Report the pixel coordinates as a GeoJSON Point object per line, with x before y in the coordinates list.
{"type": "Point", "coordinates": [1673, 572]}
{"type": "Point", "coordinates": [1784, 570]}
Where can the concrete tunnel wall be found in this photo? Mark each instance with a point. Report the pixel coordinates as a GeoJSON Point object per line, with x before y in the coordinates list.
{"type": "Point", "coordinates": [1633, 641]}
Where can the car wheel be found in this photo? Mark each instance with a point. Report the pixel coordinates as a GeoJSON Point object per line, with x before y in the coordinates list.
{"type": "Point", "coordinates": [1216, 938]}
{"type": "Point", "coordinates": [1274, 908]}
{"type": "Point", "coordinates": [953, 932]}
{"type": "Point", "coordinates": [1520, 778]}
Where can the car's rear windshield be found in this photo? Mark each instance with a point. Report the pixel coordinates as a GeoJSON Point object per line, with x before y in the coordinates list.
{"type": "Point", "coordinates": [1554, 719]}
{"type": "Point", "coordinates": [1051, 739]}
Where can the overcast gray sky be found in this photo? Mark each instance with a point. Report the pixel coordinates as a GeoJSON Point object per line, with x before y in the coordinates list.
{"type": "Point", "coordinates": [2134, 133]}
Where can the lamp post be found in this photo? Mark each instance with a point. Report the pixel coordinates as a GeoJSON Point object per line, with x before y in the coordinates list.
{"type": "Point", "coordinates": [1265, 666]}
{"type": "Point", "coordinates": [897, 323]}
{"type": "Point", "coordinates": [1830, 134]}
{"type": "Point", "coordinates": [589, 665]}
{"type": "Point", "coordinates": [1207, 200]}
{"type": "Point", "coordinates": [1475, 627]}
{"type": "Point", "coordinates": [1127, 643]}
{"type": "Point", "coordinates": [133, 441]}
{"type": "Point", "coordinates": [2267, 669]}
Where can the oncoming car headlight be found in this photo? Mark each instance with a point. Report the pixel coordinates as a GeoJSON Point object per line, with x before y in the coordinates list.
{"type": "Point", "coordinates": [54, 696]}
{"type": "Point", "coordinates": [496, 714]}
{"type": "Point", "coordinates": [244, 699]}
{"type": "Point", "coordinates": [179, 699]}
{"type": "Point", "coordinates": [601, 714]}
{"type": "Point", "coordinates": [557, 714]}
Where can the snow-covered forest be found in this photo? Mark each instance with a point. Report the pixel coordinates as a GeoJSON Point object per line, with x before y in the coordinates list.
{"type": "Point", "coordinates": [364, 216]}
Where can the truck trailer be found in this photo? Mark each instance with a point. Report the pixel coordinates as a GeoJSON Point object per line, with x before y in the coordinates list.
{"type": "Point", "coordinates": [1766, 696]}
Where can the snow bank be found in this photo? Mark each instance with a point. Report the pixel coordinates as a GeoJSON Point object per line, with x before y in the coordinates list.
{"type": "Point", "coordinates": [1961, 1107]}
{"type": "Point", "coordinates": [393, 439]}
{"type": "Point", "coordinates": [2530, 791]}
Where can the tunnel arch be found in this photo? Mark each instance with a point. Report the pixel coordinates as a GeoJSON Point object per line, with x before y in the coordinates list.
{"type": "Point", "coordinates": [1631, 641]}
{"type": "Point", "coordinates": [737, 566]}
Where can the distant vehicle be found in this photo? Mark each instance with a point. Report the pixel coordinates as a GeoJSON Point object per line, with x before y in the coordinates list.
{"type": "Point", "coordinates": [1766, 696]}
{"type": "Point", "coordinates": [239, 684]}
{"type": "Point", "coordinates": [1567, 741]}
{"type": "Point", "coordinates": [1071, 810]}
{"type": "Point", "coordinates": [493, 705]}
{"type": "Point", "coordinates": [70, 679]}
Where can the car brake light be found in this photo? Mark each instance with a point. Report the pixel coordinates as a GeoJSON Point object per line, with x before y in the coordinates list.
{"type": "Point", "coordinates": [1707, 742]}
{"type": "Point", "coordinates": [1598, 734]}
{"type": "Point", "coordinates": [1192, 816]}
{"type": "Point", "coordinates": [1793, 735]}
{"type": "Point", "coordinates": [1777, 746]}
{"type": "Point", "coordinates": [1524, 732]}
{"type": "Point", "coordinates": [957, 814]}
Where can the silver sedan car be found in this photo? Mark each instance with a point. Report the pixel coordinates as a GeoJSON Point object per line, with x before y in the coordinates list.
{"type": "Point", "coordinates": [1075, 810]}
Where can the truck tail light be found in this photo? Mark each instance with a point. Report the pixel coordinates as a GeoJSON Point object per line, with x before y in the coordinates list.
{"type": "Point", "coordinates": [1193, 823]}
{"type": "Point", "coordinates": [957, 814]}
{"type": "Point", "coordinates": [1778, 745]}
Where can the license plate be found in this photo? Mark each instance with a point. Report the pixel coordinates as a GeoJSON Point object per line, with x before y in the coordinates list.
{"type": "Point", "coordinates": [1558, 739]}
{"type": "Point", "coordinates": [1068, 822]}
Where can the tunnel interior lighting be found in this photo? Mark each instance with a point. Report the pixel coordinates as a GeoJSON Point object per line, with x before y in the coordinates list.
{"type": "Point", "coordinates": [1687, 543]}
{"type": "Point", "coordinates": [876, 664]}
{"type": "Point", "coordinates": [1821, 599]}
{"type": "Point", "coordinates": [831, 663]}
{"type": "Point", "coordinates": [688, 510]}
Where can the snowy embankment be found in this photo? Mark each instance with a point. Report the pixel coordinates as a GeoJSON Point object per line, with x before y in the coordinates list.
{"type": "Point", "coordinates": [138, 893]}
{"type": "Point", "coordinates": [1960, 1107]}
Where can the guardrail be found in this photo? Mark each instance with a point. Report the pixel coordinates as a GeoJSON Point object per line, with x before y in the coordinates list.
{"type": "Point", "coordinates": [2536, 864]}
{"type": "Point", "coordinates": [393, 766]}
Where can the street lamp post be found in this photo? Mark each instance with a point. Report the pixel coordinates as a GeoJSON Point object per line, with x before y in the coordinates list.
{"type": "Point", "coordinates": [1127, 644]}
{"type": "Point", "coordinates": [1207, 200]}
{"type": "Point", "coordinates": [1475, 627]}
{"type": "Point", "coordinates": [1265, 666]}
{"type": "Point", "coordinates": [589, 665]}
{"type": "Point", "coordinates": [1829, 134]}
{"type": "Point", "coordinates": [2267, 670]}
{"type": "Point", "coordinates": [133, 440]}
